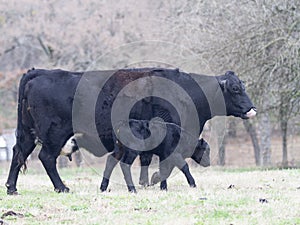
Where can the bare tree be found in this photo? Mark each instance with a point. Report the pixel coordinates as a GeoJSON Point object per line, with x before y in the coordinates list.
{"type": "Point", "coordinates": [258, 39]}
{"type": "Point", "coordinates": [253, 134]}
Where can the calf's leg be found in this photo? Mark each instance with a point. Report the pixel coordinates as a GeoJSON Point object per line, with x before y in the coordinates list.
{"type": "Point", "coordinates": [146, 159]}
{"type": "Point", "coordinates": [165, 169]}
{"type": "Point", "coordinates": [188, 175]}
{"type": "Point", "coordinates": [181, 164]}
{"type": "Point", "coordinates": [167, 166]}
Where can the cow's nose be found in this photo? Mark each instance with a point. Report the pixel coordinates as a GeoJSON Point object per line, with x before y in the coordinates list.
{"type": "Point", "coordinates": [251, 113]}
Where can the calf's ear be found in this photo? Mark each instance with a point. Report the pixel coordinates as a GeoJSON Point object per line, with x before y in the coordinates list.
{"type": "Point", "coordinates": [229, 73]}
{"type": "Point", "coordinates": [201, 141]}
{"type": "Point", "coordinates": [223, 84]}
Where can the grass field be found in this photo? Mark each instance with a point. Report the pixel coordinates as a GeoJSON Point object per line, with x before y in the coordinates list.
{"type": "Point", "coordinates": [223, 196]}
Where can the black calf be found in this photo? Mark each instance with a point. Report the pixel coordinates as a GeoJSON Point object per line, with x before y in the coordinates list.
{"type": "Point", "coordinates": [168, 160]}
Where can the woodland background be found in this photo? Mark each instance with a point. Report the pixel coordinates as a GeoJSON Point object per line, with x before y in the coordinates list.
{"type": "Point", "coordinates": [258, 39]}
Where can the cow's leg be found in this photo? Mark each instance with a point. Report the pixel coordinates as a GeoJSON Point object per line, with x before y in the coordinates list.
{"type": "Point", "coordinates": [48, 155]}
{"type": "Point", "coordinates": [21, 151]}
{"type": "Point", "coordinates": [111, 162]}
{"type": "Point", "coordinates": [145, 162]}
{"type": "Point", "coordinates": [126, 163]}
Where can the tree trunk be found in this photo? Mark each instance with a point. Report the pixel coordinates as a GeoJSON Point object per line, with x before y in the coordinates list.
{"type": "Point", "coordinates": [252, 132]}
{"type": "Point", "coordinates": [232, 127]}
{"type": "Point", "coordinates": [265, 139]}
{"type": "Point", "coordinates": [78, 158]}
{"type": "Point", "coordinates": [7, 154]}
{"type": "Point", "coordinates": [283, 117]}
{"type": "Point", "coordinates": [221, 153]}
{"type": "Point", "coordinates": [218, 125]}
{"type": "Point", "coordinates": [62, 162]}
{"type": "Point", "coordinates": [284, 124]}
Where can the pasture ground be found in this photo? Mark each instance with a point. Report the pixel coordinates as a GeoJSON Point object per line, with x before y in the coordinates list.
{"type": "Point", "coordinates": [223, 196]}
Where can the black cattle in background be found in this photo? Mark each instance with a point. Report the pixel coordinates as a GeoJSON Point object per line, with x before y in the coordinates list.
{"type": "Point", "coordinates": [46, 106]}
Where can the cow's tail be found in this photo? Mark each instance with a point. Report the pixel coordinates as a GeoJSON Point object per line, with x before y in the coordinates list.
{"type": "Point", "coordinates": [20, 133]}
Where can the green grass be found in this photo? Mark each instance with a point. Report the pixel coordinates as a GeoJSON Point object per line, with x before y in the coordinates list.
{"type": "Point", "coordinates": [210, 203]}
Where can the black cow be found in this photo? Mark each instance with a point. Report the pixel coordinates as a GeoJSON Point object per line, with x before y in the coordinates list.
{"type": "Point", "coordinates": [49, 101]}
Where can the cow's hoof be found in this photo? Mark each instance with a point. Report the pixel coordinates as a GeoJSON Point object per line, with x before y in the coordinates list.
{"type": "Point", "coordinates": [9, 192]}
{"type": "Point", "coordinates": [62, 190]}
{"type": "Point", "coordinates": [144, 183]}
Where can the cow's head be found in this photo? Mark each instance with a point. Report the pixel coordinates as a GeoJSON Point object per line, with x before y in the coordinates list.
{"type": "Point", "coordinates": [201, 153]}
{"type": "Point", "coordinates": [236, 99]}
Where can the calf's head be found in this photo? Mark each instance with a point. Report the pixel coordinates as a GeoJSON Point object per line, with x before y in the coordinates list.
{"type": "Point", "coordinates": [236, 99]}
{"type": "Point", "coordinates": [201, 153]}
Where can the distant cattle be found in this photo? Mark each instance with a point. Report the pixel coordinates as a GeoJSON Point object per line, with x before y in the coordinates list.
{"type": "Point", "coordinates": [46, 110]}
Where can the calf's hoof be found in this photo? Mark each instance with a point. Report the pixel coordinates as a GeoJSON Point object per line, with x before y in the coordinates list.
{"type": "Point", "coordinates": [193, 185]}
{"type": "Point", "coordinates": [132, 189]}
{"type": "Point", "coordinates": [104, 184]}
{"type": "Point", "coordinates": [103, 189]}
{"type": "Point", "coordinates": [163, 186]}
{"type": "Point", "coordinates": [144, 183]}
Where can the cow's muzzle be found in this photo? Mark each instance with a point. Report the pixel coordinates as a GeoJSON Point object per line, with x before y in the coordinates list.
{"type": "Point", "coordinates": [251, 113]}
